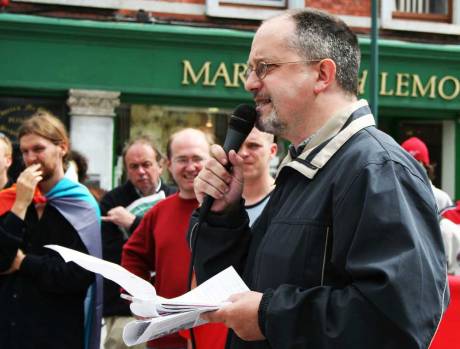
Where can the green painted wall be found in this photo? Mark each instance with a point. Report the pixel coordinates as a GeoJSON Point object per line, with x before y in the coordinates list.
{"type": "Point", "coordinates": [144, 62]}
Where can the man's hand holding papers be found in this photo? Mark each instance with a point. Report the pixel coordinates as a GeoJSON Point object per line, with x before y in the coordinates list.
{"type": "Point", "coordinates": [161, 316]}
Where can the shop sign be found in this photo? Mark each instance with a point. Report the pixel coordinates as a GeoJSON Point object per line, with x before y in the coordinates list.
{"type": "Point", "coordinates": [446, 87]}
{"type": "Point", "coordinates": [206, 75]}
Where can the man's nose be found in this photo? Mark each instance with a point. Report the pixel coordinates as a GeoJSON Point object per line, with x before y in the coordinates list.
{"type": "Point", "coordinates": [243, 152]}
{"type": "Point", "coordinates": [141, 170]}
{"type": "Point", "coordinates": [191, 165]}
{"type": "Point", "coordinates": [252, 83]}
{"type": "Point", "coordinates": [29, 157]}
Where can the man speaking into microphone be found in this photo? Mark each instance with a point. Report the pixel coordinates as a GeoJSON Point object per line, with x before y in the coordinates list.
{"type": "Point", "coordinates": [347, 253]}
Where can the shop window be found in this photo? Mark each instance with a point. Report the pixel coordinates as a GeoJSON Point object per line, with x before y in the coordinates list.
{"type": "Point", "coordinates": [159, 122]}
{"type": "Point", "coordinates": [430, 16]}
{"type": "Point", "coordinates": [424, 10]}
{"type": "Point", "coordinates": [249, 9]}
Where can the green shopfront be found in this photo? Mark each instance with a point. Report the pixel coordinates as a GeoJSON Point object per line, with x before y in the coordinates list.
{"type": "Point", "coordinates": [109, 81]}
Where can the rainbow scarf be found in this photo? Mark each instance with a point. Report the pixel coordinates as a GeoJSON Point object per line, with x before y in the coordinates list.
{"type": "Point", "coordinates": [7, 197]}
{"type": "Point", "coordinates": [80, 209]}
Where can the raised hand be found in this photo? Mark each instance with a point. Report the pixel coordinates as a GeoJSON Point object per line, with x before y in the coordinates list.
{"type": "Point", "coordinates": [215, 180]}
{"type": "Point", "coordinates": [119, 216]}
{"type": "Point", "coordinates": [25, 189]}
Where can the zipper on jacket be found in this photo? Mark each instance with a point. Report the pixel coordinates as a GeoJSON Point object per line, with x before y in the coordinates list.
{"type": "Point", "coordinates": [324, 256]}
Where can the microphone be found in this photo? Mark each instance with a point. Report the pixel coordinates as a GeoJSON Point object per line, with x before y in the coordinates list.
{"type": "Point", "coordinates": [239, 126]}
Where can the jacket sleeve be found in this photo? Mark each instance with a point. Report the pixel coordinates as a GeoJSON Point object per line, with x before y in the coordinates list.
{"type": "Point", "coordinates": [386, 237]}
{"type": "Point", "coordinates": [48, 270]}
{"type": "Point", "coordinates": [222, 240]}
{"type": "Point", "coordinates": [138, 254]}
{"type": "Point", "coordinates": [112, 236]}
{"type": "Point", "coordinates": [9, 243]}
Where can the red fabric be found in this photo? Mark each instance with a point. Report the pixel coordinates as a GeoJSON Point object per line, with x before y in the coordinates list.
{"type": "Point", "coordinates": [8, 196]}
{"type": "Point", "coordinates": [448, 334]}
{"type": "Point", "coordinates": [159, 244]}
{"type": "Point", "coordinates": [453, 213]}
{"type": "Point", "coordinates": [208, 336]}
{"type": "Point", "coordinates": [417, 149]}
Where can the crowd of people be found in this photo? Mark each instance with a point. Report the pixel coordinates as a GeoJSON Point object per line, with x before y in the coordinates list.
{"type": "Point", "coordinates": [350, 225]}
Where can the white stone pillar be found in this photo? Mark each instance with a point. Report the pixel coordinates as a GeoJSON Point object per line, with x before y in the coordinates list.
{"type": "Point", "coordinates": [91, 130]}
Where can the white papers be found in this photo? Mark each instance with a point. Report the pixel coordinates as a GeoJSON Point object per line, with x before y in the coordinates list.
{"type": "Point", "coordinates": [165, 315]}
{"type": "Point", "coordinates": [133, 284]}
{"type": "Point", "coordinates": [140, 206]}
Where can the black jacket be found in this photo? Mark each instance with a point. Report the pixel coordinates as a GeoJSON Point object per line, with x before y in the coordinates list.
{"type": "Point", "coordinates": [42, 303]}
{"type": "Point", "coordinates": [113, 239]}
{"type": "Point", "coordinates": [347, 253]}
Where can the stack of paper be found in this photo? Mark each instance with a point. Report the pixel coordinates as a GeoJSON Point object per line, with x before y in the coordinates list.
{"type": "Point", "coordinates": [163, 316]}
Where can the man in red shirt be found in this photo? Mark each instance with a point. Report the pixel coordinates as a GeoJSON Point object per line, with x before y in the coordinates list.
{"type": "Point", "coordinates": [159, 243]}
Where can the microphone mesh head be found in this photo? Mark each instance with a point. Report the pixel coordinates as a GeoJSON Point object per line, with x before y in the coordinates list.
{"type": "Point", "coordinates": [243, 118]}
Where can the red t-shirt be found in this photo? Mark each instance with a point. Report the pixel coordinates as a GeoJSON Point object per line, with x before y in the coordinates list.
{"type": "Point", "coordinates": [159, 244]}
{"type": "Point", "coordinates": [208, 336]}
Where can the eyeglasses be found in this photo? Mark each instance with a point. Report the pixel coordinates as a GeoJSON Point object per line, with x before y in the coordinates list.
{"type": "Point", "coordinates": [262, 68]}
{"type": "Point", "coordinates": [184, 161]}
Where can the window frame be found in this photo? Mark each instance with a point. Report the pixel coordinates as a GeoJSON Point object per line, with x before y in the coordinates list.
{"type": "Point", "coordinates": [249, 9]}
{"type": "Point", "coordinates": [418, 23]}
{"type": "Point", "coordinates": [431, 17]}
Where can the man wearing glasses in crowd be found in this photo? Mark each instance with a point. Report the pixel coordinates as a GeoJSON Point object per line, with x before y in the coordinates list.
{"type": "Point", "coordinates": [122, 209]}
{"type": "Point", "coordinates": [347, 252]}
{"type": "Point", "coordinates": [159, 243]}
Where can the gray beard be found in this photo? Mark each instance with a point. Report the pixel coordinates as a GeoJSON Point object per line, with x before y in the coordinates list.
{"type": "Point", "coordinates": [271, 124]}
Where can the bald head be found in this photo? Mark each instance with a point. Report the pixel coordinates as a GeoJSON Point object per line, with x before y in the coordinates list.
{"type": "Point", "coordinates": [187, 150]}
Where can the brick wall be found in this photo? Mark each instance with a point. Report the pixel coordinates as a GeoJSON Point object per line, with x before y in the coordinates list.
{"type": "Point", "coordinates": [343, 7]}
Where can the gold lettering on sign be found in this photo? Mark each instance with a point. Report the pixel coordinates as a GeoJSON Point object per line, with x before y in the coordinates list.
{"type": "Point", "coordinates": [238, 74]}
{"type": "Point", "coordinates": [362, 82]}
{"type": "Point", "coordinates": [188, 71]}
{"type": "Point", "coordinates": [402, 84]}
{"type": "Point", "coordinates": [383, 85]}
{"type": "Point", "coordinates": [221, 73]}
{"type": "Point", "coordinates": [419, 90]}
{"type": "Point", "coordinates": [441, 91]}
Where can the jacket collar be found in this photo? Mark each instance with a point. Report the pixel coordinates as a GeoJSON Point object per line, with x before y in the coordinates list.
{"type": "Point", "coordinates": [330, 138]}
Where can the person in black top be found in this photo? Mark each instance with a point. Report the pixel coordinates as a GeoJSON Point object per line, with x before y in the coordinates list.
{"type": "Point", "coordinates": [348, 250]}
{"type": "Point", "coordinates": [122, 209]}
{"type": "Point", "coordinates": [41, 296]}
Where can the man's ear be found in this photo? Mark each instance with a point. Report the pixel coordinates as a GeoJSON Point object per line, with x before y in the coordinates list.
{"type": "Point", "coordinates": [326, 75]}
{"type": "Point", "coordinates": [168, 163]}
{"type": "Point", "coordinates": [273, 150]}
